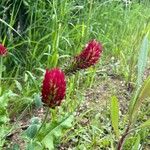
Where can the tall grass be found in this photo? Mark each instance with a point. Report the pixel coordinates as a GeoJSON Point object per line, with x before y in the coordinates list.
{"type": "Point", "coordinates": [52, 31]}
{"type": "Point", "coordinates": [55, 28]}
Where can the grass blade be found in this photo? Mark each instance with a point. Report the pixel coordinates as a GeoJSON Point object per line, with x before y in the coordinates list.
{"type": "Point", "coordinates": [145, 124]}
{"type": "Point", "coordinates": [9, 26]}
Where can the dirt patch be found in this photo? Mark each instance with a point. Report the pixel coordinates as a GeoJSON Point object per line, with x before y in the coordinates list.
{"type": "Point", "coordinates": [100, 94]}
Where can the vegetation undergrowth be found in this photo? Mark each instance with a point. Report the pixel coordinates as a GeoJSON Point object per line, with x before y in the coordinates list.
{"type": "Point", "coordinates": [40, 35]}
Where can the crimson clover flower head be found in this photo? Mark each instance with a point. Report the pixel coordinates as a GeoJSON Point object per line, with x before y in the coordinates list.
{"type": "Point", "coordinates": [54, 87]}
{"type": "Point", "coordinates": [3, 50]}
{"type": "Point", "coordinates": [89, 56]}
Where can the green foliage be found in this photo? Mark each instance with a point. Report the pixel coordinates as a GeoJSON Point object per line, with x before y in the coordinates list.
{"type": "Point", "coordinates": [46, 34]}
{"type": "Point", "coordinates": [38, 102]}
{"type": "Point", "coordinates": [137, 143]}
{"type": "Point", "coordinates": [33, 128]}
{"type": "Point", "coordinates": [145, 124]}
{"type": "Point", "coordinates": [143, 95]}
{"type": "Point", "coordinates": [115, 115]}
{"type": "Point", "coordinates": [16, 147]}
{"type": "Point", "coordinates": [129, 142]}
{"type": "Point", "coordinates": [53, 131]}
{"type": "Point", "coordinates": [4, 117]}
{"type": "Point", "coordinates": [3, 106]}
{"type": "Point", "coordinates": [1, 20]}
{"type": "Point", "coordinates": [18, 85]}
{"type": "Point", "coordinates": [142, 60]}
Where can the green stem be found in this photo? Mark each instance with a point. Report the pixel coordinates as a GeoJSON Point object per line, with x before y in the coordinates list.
{"type": "Point", "coordinates": [54, 114]}
{"type": "Point", "coordinates": [1, 70]}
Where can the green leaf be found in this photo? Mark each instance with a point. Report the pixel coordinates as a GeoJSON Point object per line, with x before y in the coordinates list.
{"type": "Point", "coordinates": [3, 106]}
{"type": "Point", "coordinates": [32, 130]}
{"type": "Point", "coordinates": [9, 26]}
{"type": "Point", "coordinates": [137, 143]}
{"type": "Point", "coordinates": [30, 146]}
{"type": "Point", "coordinates": [145, 124]}
{"type": "Point", "coordinates": [142, 60]}
{"type": "Point", "coordinates": [36, 145]}
{"type": "Point", "coordinates": [54, 131]}
{"type": "Point", "coordinates": [25, 77]}
{"type": "Point", "coordinates": [18, 85]}
{"type": "Point", "coordinates": [33, 78]}
{"type": "Point", "coordinates": [16, 147]}
{"type": "Point", "coordinates": [35, 120]}
{"type": "Point", "coordinates": [31, 75]}
{"type": "Point", "coordinates": [54, 60]}
{"type": "Point", "coordinates": [144, 94]}
{"type": "Point", "coordinates": [38, 102]}
{"type": "Point", "coordinates": [115, 115]}
{"type": "Point", "coordinates": [48, 142]}
{"type": "Point", "coordinates": [145, 91]}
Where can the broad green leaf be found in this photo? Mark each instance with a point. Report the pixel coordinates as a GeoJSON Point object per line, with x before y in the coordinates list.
{"type": "Point", "coordinates": [145, 91]}
{"type": "Point", "coordinates": [142, 60]}
{"type": "Point", "coordinates": [144, 94]}
{"type": "Point", "coordinates": [115, 115]}
{"type": "Point", "coordinates": [32, 130]}
{"type": "Point", "coordinates": [137, 143]}
{"type": "Point", "coordinates": [48, 142]}
{"type": "Point", "coordinates": [54, 131]}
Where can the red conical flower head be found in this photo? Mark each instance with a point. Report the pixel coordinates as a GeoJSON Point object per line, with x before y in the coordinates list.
{"type": "Point", "coordinates": [54, 87]}
{"type": "Point", "coordinates": [89, 56]}
{"type": "Point", "coordinates": [3, 50]}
